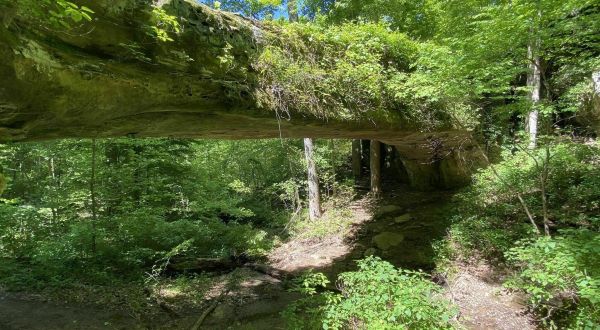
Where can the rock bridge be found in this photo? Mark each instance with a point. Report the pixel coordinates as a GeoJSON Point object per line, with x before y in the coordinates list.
{"type": "Point", "coordinates": [109, 78]}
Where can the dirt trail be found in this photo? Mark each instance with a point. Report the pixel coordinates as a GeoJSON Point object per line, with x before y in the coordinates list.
{"type": "Point", "coordinates": [400, 229]}
{"type": "Point", "coordinates": [326, 253]}
{"type": "Point", "coordinates": [484, 303]}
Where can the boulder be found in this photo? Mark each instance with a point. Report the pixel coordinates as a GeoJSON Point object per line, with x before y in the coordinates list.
{"type": "Point", "coordinates": [403, 218]}
{"type": "Point", "coordinates": [370, 252]}
{"type": "Point", "coordinates": [387, 240]}
{"type": "Point", "coordinates": [387, 209]}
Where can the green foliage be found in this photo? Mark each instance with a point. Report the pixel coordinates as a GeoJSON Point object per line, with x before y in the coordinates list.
{"type": "Point", "coordinates": [562, 278]}
{"type": "Point", "coordinates": [309, 283]}
{"type": "Point", "coordinates": [250, 8]}
{"type": "Point", "coordinates": [314, 71]}
{"type": "Point", "coordinates": [218, 199]}
{"type": "Point", "coordinates": [474, 53]}
{"type": "Point", "coordinates": [560, 274]}
{"type": "Point", "coordinates": [416, 18]}
{"type": "Point", "coordinates": [335, 222]}
{"type": "Point", "coordinates": [163, 24]}
{"type": "Point", "coordinates": [490, 217]}
{"type": "Point", "coordinates": [377, 296]}
{"type": "Point", "coordinates": [53, 13]}
{"type": "Point", "coordinates": [67, 12]}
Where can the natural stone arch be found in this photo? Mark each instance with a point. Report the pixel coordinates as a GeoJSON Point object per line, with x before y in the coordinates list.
{"type": "Point", "coordinates": [98, 82]}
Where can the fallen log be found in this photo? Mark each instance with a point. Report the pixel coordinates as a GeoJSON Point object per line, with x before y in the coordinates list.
{"type": "Point", "coordinates": [269, 271]}
{"type": "Point", "coordinates": [204, 265]}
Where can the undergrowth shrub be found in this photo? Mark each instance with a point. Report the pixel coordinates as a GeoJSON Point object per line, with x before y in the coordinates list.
{"type": "Point", "coordinates": [125, 247]}
{"type": "Point", "coordinates": [489, 218]}
{"type": "Point", "coordinates": [561, 276]}
{"type": "Point", "coordinates": [559, 273]}
{"type": "Point", "coordinates": [377, 296]}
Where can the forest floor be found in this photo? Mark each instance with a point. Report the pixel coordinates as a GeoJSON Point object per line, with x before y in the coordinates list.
{"type": "Point", "coordinates": [401, 228]}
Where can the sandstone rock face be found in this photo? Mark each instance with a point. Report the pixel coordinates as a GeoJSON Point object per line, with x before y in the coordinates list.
{"type": "Point", "coordinates": [439, 169]}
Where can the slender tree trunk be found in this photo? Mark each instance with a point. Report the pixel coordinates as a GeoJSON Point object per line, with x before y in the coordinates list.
{"type": "Point", "coordinates": [526, 209]}
{"type": "Point", "coordinates": [543, 183]}
{"type": "Point", "coordinates": [292, 10]}
{"type": "Point", "coordinates": [333, 167]}
{"type": "Point", "coordinates": [314, 198]}
{"type": "Point", "coordinates": [356, 159]}
{"type": "Point", "coordinates": [365, 155]}
{"type": "Point", "coordinates": [2, 183]}
{"type": "Point", "coordinates": [54, 206]}
{"type": "Point", "coordinates": [534, 82]}
{"type": "Point", "coordinates": [375, 161]}
{"type": "Point", "coordinates": [93, 196]}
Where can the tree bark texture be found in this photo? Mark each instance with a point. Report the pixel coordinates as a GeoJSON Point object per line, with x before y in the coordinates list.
{"type": "Point", "coordinates": [93, 196]}
{"type": "Point", "coordinates": [356, 158]}
{"type": "Point", "coordinates": [375, 167]}
{"type": "Point", "coordinates": [534, 82]}
{"type": "Point", "coordinates": [292, 10]}
{"type": "Point", "coordinates": [314, 198]}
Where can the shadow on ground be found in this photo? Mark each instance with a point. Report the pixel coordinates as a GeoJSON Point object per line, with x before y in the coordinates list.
{"type": "Point", "coordinates": [400, 227]}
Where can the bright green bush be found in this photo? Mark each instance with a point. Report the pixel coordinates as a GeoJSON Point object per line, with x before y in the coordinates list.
{"type": "Point", "coordinates": [377, 296]}
{"type": "Point", "coordinates": [561, 275]}
{"type": "Point", "coordinates": [20, 228]}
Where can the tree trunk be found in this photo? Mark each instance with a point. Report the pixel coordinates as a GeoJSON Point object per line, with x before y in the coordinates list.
{"type": "Point", "coordinates": [534, 83]}
{"type": "Point", "coordinates": [2, 183]}
{"type": "Point", "coordinates": [356, 159]}
{"type": "Point", "coordinates": [375, 167]}
{"type": "Point", "coordinates": [93, 196]}
{"type": "Point", "coordinates": [314, 199]}
{"type": "Point", "coordinates": [292, 10]}
{"type": "Point", "coordinates": [543, 186]}
{"type": "Point", "coordinates": [55, 202]}
{"type": "Point", "coordinates": [365, 154]}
